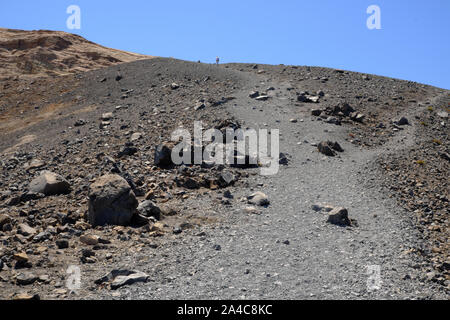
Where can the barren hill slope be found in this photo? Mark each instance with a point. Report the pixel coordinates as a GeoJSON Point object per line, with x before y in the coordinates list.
{"type": "Point", "coordinates": [42, 52]}
{"type": "Point", "coordinates": [208, 240]}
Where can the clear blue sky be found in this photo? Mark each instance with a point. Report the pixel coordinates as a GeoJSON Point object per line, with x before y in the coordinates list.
{"type": "Point", "coordinates": [413, 44]}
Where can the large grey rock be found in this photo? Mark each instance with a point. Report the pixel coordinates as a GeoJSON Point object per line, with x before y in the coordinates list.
{"type": "Point", "coordinates": [49, 183]}
{"type": "Point", "coordinates": [111, 201]}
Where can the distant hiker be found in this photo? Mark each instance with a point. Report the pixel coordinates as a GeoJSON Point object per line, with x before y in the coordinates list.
{"type": "Point", "coordinates": [217, 60]}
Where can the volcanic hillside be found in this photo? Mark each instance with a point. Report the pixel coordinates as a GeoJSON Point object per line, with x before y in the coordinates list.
{"type": "Point", "coordinates": [363, 180]}
{"type": "Point", "coordinates": [43, 52]}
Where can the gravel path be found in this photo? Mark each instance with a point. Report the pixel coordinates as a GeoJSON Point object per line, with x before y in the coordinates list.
{"type": "Point", "coordinates": [290, 251]}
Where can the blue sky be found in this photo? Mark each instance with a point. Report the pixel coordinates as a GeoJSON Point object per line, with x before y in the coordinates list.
{"type": "Point", "coordinates": [413, 43]}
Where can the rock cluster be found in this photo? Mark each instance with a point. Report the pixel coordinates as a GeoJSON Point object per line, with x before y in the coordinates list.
{"type": "Point", "coordinates": [329, 148]}
{"type": "Point", "coordinates": [338, 113]}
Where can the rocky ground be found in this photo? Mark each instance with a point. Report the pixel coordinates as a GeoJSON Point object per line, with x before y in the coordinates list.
{"type": "Point", "coordinates": [221, 231]}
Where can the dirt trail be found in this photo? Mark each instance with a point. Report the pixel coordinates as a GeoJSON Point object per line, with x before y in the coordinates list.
{"type": "Point", "coordinates": [290, 252]}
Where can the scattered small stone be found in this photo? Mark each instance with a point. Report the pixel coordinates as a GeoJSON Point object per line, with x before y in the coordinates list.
{"type": "Point", "coordinates": [177, 230]}
{"type": "Point", "coordinates": [62, 243]}
{"type": "Point", "coordinates": [431, 275]}
{"type": "Point", "coordinates": [262, 98]}
{"type": "Point", "coordinates": [333, 120]}
{"type": "Point", "coordinates": [199, 106]}
{"type": "Point", "coordinates": [80, 122]}
{"type": "Point", "coordinates": [26, 296]}
{"type": "Point", "coordinates": [26, 230]}
{"type": "Point", "coordinates": [148, 208]}
{"type": "Point", "coordinates": [227, 194]}
{"type": "Point", "coordinates": [443, 114]}
{"type": "Point", "coordinates": [89, 239]}
{"type": "Point", "coordinates": [163, 155]}
{"type": "Point", "coordinates": [322, 207]}
{"type": "Point", "coordinates": [136, 136]}
{"type": "Point", "coordinates": [226, 178]}
{"type": "Point", "coordinates": [254, 94]}
{"type": "Point", "coordinates": [307, 98]}
{"type": "Point", "coordinates": [336, 146]}
{"type": "Point", "coordinates": [107, 116]}
{"type": "Point", "coordinates": [327, 148]}
{"type": "Point", "coordinates": [339, 216]}
{"type": "Point", "coordinates": [119, 278]}
{"type": "Point", "coordinates": [258, 198]}
{"type": "Point", "coordinates": [87, 253]}
{"type": "Point", "coordinates": [4, 219]}
{"type": "Point", "coordinates": [444, 155]}
{"type": "Point", "coordinates": [20, 257]}
{"type": "Point", "coordinates": [26, 278]}
{"type": "Point", "coordinates": [127, 150]}
{"type": "Point", "coordinates": [283, 159]}
{"type": "Point", "coordinates": [252, 210]}
{"type": "Point", "coordinates": [124, 280]}
{"type": "Point", "coordinates": [359, 117]}
{"type": "Point", "coordinates": [402, 121]}
{"type": "Point", "coordinates": [42, 236]}
{"type": "Point", "coordinates": [35, 164]}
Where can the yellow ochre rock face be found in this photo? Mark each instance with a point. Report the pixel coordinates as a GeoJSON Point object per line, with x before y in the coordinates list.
{"type": "Point", "coordinates": [37, 53]}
